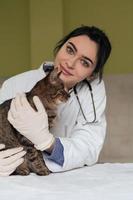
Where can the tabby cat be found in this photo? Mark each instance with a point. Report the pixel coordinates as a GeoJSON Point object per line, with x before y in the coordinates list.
{"type": "Point", "coordinates": [51, 92]}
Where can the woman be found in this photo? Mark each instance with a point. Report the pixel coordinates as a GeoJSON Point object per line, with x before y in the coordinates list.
{"type": "Point", "coordinates": [78, 135]}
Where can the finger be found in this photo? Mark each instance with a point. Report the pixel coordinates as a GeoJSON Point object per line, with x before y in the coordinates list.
{"type": "Point", "coordinates": [38, 104]}
{"type": "Point", "coordinates": [25, 103]}
{"type": "Point", "coordinates": [13, 158]}
{"type": "Point", "coordinates": [4, 174]}
{"type": "Point", "coordinates": [13, 108]}
{"type": "Point", "coordinates": [10, 152]}
{"type": "Point", "coordinates": [10, 117]}
{"type": "Point", "coordinates": [6, 171]}
{"type": "Point", "coordinates": [18, 102]}
{"type": "Point", "coordinates": [2, 146]}
{"type": "Point", "coordinates": [16, 107]}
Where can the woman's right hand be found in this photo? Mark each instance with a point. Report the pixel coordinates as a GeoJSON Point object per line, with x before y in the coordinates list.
{"type": "Point", "coordinates": [10, 159]}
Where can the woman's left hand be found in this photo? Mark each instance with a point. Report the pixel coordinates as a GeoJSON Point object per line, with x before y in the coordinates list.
{"type": "Point", "coordinates": [30, 123]}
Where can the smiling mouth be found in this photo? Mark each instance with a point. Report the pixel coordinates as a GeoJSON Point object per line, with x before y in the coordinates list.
{"type": "Point", "coordinates": [65, 72]}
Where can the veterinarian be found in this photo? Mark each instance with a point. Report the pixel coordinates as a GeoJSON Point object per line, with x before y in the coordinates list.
{"type": "Point", "coordinates": [78, 134]}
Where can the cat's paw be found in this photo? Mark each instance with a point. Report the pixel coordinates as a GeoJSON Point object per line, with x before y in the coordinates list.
{"type": "Point", "coordinates": [43, 172]}
{"type": "Point", "coordinates": [22, 172]}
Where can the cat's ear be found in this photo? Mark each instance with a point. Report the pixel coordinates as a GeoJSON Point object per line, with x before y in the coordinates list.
{"type": "Point", "coordinates": [54, 76]}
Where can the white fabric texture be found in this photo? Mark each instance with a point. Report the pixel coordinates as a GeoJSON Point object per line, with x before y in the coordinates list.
{"type": "Point", "coordinates": [82, 142]}
{"type": "Point", "coordinates": [98, 182]}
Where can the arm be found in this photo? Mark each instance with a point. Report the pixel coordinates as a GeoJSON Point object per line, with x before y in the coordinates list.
{"type": "Point", "coordinates": [20, 83]}
{"type": "Point", "coordinates": [85, 145]}
{"type": "Point", "coordinates": [82, 149]}
{"type": "Point", "coordinates": [55, 153]}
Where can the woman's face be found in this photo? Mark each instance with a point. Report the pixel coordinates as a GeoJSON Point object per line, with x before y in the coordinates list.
{"type": "Point", "coordinates": [76, 60]}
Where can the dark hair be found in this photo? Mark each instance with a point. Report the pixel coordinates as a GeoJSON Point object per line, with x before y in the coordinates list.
{"type": "Point", "coordinates": [97, 36]}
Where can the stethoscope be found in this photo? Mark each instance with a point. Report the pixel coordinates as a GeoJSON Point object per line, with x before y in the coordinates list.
{"type": "Point", "coordinates": [47, 67]}
{"type": "Point", "coordinates": [93, 104]}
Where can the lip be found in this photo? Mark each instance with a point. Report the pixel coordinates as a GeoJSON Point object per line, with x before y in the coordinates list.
{"type": "Point", "coordinates": [65, 71]}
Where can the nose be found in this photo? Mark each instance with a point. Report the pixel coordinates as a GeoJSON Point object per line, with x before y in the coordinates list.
{"type": "Point", "coordinates": [71, 62]}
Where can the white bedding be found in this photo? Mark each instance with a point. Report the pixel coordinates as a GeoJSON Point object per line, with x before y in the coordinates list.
{"type": "Point", "coordinates": [99, 182]}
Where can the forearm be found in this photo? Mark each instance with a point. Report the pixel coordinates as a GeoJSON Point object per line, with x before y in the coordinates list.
{"type": "Point", "coordinates": [81, 149]}
{"type": "Point", "coordinates": [55, 153]}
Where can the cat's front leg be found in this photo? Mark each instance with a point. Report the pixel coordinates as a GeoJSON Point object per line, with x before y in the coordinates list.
{"type": "Point", "coordinates": [22, 169]}
{"type": "Point", "coordinates": [36, 162]}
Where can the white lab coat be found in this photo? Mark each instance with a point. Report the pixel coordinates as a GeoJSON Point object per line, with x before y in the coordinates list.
{"type": "Point", "coordinates": [82, 142]}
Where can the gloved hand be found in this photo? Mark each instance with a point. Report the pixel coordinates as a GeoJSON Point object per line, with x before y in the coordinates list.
{"type": "Point", "coordinates": [10, 159]}
{"type": "Point", "coordinates": [30, 123]}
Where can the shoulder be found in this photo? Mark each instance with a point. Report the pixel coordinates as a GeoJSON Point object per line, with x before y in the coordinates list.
{"type": "Point", "coordinates": [98, 89]}
{"type": "Point", "coordinates": [26, 79]}
{"type": "Point", "coordinates": [96, 84]}
{"type": "Point", "coordinates": [23, 82]}
{"type": "Point", "coordinates": [30, 76]}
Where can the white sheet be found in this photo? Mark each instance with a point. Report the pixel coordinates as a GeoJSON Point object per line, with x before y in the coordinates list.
{"type": "Point", "coordinates": [99, 182]}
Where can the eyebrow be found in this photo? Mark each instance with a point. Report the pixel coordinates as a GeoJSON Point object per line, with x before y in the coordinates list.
{"type": "Point", "coordinates": [76, 51]}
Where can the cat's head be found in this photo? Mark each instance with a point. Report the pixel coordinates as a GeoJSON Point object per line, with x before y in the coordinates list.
{"type": "Point", "coordinates": [57, 90]}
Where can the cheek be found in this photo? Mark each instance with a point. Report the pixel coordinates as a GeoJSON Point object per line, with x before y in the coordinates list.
{"type": "Point", "coordinates": [82, 74]}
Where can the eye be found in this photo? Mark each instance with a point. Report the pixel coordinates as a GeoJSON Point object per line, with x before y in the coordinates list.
{"type": "Point", "coordinates": [69, 50]}
{"type": "Point", "coordinates": [85, 63]}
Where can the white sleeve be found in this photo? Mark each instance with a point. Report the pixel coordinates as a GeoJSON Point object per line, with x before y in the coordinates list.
{"type": "Point", "coordinates": [20, 83]}
{"type": "Point", "coordinates": [84, 146]}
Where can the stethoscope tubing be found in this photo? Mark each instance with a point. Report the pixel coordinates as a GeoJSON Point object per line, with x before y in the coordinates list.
{"type": "Point", "coordinates": [93, 104]}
